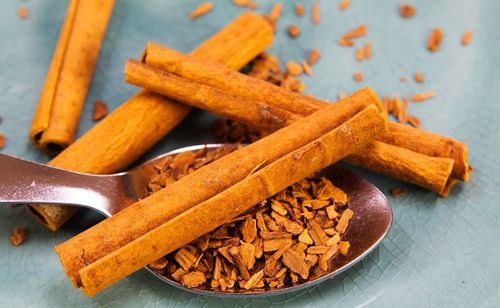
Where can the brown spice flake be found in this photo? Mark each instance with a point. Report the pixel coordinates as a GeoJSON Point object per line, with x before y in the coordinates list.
{"type": "Point", "coordinates": [407, 10]}
{"type": "Point", "coordinates": [203, 9]}
{"type": "Point", "coordinates": [193, 279]}
{"type": "Point", "coordinates": [275, 12]}
{"type": "Point", "coordinates": [299, 9]}
{"type": "Point", "coordinates": [159, 264]}
{"type": "Point", "coordinates": [345, 42]}
{"type": "Point", "coordinates": [368, 50]}
{"type": "Point", "coordinates": [294, 68]}
{"type": "Point", "coordinates": [2, 141]}
{"type": "Point", "coordinates": [466, 38]}
{"type": "Point", "coordinates": [356, 32]}
{"type": "Point", "coordinates": [397, 192]}
{"type": "Point", "coordinates": [434, 40]}
{"type": "Point", "coordinates": [413, 121]}
{"type": "Point", "coordinates": [18, 236]}
{"type": "Point", "coordinates": [358, 76]}
{"type": "Point", "coordinates": [99, 111]}
{"type": "Point", "coordinates": [293, 31]}
{"type": "Point", "coordinates": [23, 13]}
{"type": "Point", "coordinates": [419, 77]}
{"type": "Point", "coordinates": [423, 96]}
{"type": "Point", "coordinates": [360, 54]}
{"type": "Point", "coordinates": [344, 247]}
{"type": "Point", "coordinates": [246, 4]}
{"type": "Point", "coordinates": [314, 56]}
{"type": "Point", "coordinates": [307, 69]}
{"type": "Point", "coordinates": [295, 263]}
{"type": "Point", "coordinates": [344, 220]}
{"type": "Point", "coordinates": [344, 4]}
{"type": "Point", "coordinates": [315, 12]}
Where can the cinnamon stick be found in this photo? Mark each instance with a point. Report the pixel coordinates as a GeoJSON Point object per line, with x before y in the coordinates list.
{"type": "Point", "coordinates": [175, 63]}
{"type": "Point", "coordinates": [197, 187]}
{"type": "Point", "coordinates": [269, 180]}
{"type": "Point", "coordinates": [63, 94]}
{"type": "Point", "coordinates": [134, 127]}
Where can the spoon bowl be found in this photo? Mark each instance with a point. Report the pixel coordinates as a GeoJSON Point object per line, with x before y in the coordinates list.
{"type": "Point", "coordinates": [30, 183]}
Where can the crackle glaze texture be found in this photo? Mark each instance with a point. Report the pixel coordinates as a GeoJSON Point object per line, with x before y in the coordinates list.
{"type": "Point", "coordinates": [439, 252]}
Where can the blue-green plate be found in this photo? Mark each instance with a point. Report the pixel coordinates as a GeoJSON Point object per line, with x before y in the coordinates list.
{"type": "Point", "coordinates": [440, 252]}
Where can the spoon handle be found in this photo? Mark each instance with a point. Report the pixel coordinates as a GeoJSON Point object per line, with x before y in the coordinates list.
{"type": "Point", "coordinates": [26, 182]}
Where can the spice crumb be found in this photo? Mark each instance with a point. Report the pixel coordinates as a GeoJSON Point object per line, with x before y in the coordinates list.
{"type": "Point", "coordinates": [99, 111]}
{"type": "Point", "coordinates": [201, 10]}
{"type": "Point", "coordinates": [299, 9]}
{"type": "Point", "coordinates": [294, 68]}
{"type": "Point", "coordinates": [344, 4]}
{"type": "Point", "coordinates": [413, 121]}
{"type": "Point", "coordinates": [358, 76]}
{"type": "Point", "coordinates": [345, 42]}
{"type": "Point", "coordinates": [23, 13]}
{"type": "Point", "coordinates": [246, 4]}
{"type": "Point", "coordinates": [315, 12]}
{"type": "Point", "coordinates": [434, 40]}
{"type": "Point", "coordinates": [397, 192]}
{"type": "Point", "coordinates": [406, 10]}
{"type": "Point", "coordinates": [423, 96]}
{"type": "Point", "coordinates": [314, 56]}
{"type": "Point", "coordinates": [360, 54]}
{"type": "Point", "coordinates": [307, 69]}
{"type": "Point", "coordinates": [466, 38]}
{"type": "Point", "coordinates": [419, 77]}
{"type": "Point", "coordinates": [2, 141]}
{"type": "Point", "coordinates": [368, 50]}
{"type": "Point", "coordinates": [293, 31]}
{"type": "Point", "coordinates": [18, 236]}
{"type": "Point", "coordinates": [275, 12]}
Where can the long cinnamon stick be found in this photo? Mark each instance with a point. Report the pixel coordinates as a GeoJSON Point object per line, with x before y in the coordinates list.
{"type": "Point", "coordinates": [203, 184]}
{"type": "Point", "coordinates": [63, 94]}
{"type": "Point", "coordinates": [182, 229]}
{"type": "Point", "coordinates": [133, 128]}
{"type": "Point", "coordinates": [234, 82]}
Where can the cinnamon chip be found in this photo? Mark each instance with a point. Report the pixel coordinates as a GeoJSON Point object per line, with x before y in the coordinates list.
{"type": "Point", "coordinates": [293, 31]}
{"type": "Point", "coordinates": [360, 54]}
{"type": "Point", "coordinates": [397, 192]}
{"type": "Point", "coordinates": [307, 69]}
{"type": "Point", "coordinates": [299, 9]}
{"type": "Point", "coordinates": [356, 32]}
{"type": "Point", "coordinates": [2, 141]}
{"type": "Point", "coordinates": [294, 68]}
{"type": "Point", "coordinates": [314, 56]}
{"type": "Point", "coordinates": [18, 236]}
{"type": "Point", "coordinates": [99, 111]}
{"type": "Point", "coordinates": [358, 76]}
{"type": "Point", "coordinates": [406, 10]}
{"type": "Point", "coordinates": [344, 4]}
{"type": "Point", "coordinates": [315, 12]}
{"type": "Point", "coordinates": [203, 9]}
{"type": "Point", "coordinates": [414, 121]}
{"type": "Point", "coordinates": [275, 12]}
{"type": "Point", "coordinates": [419, 77]}
{"type": "Point", "coordinates": [345, 42]}
{"type": "Point", "coordinates": [423, 96]}
{"type": "Point", "coordinates": [246, 4]}
{"type": "Point", "coordinates": [193, 279]}
{"type": "Point", "coordinates": [344, 247]}
{"type": "Point", "coordinates": [434, 40]}
{"type": "Point", "coordinates": [368, 50]}
{"type": "Point", "coordinates": [466, 38]}
{"type": "Point", "coordinates": [23, 13]}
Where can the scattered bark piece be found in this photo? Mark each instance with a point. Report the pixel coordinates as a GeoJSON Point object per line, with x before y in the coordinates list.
{"type": "Point", "coordinates": [299, 9]}
{"type": "Point", "coordinates": [419, 77]}
{"type": "Point", "coordinates": [307, 69]}
{"type": "Point", "coordinates": [203, 9]}
{"type": "Point", "coordinates": [294, 68]}
{"type": "Point", "coordinates": [344, 4]}
{"type": "Point", "coordinates": [466, 38]}
{"type": "Point", "coordinates": [397, 192]}
{"type": "Point", "coordinates": [368, 50]}
{"type": "Point", "coordinates": [314, 56]}
{"type": "Point", "coordinates": [295, 263]}
{"type": "Point", "coordinates": [246, 4]}
{"type": "Point", "coordinates": [315, 12]}
{"type": "Point", "coordinates": [413, 121]}
{"type": "Point", "coordinates": [275, 13]}
{"type": "Point", "coordinates": [99, 111]}
{"type": "Point", "coordinates": [407, 10]}
{"type": "Point", "coordinates": [193, 279]}
{"type": "Point", "coordinates": [423, 96]}
{"type": "Point", "coordinates": [293, 31]}
{"type": "Point", "coordinates": [23, 13]}
{"type": "Point", "coordinates": [360, 54]}
{"type": "Point", "coordinates": [18, 236]}
{"type": "Point", "coordinates": [358, 76]}
{"type": "Point", "coordinates": [434, 40]}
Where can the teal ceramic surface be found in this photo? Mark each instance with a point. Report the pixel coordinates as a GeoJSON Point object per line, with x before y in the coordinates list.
{"type": "Point", "coordinates": [439, 252]}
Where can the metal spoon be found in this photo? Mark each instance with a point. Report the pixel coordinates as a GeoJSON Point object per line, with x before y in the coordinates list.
{"type": "Point", "coordinates": [26, 182]}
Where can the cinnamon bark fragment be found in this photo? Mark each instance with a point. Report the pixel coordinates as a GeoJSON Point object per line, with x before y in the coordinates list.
{"type": "Point", "coordinates": [434, 40]}
{"type": "Point", "coordinates": [299, 9]}
{"type": "Point", "coordinates": [466, 38]}
{"type": "Point", "coordinates": [407, 10]}
{"type": "Point", "coordinates": [18, 236]}
{"type": "Point", "coordinates": [344, 4]}
{"type": "Point", "coordinates": [293, 31]}
{"type": "Point", "coordinates": [202, 9]}
{"type": "Point", "coordinates": [314, 56]}
{"type": "Point", "coordinates": [2, 141]}
{"type": "Point", "coordinates": [315, 12]}
{"type": "Point", "coordinates": [99, 111]}
{"type": "Point", "coordinates": [420, 97]}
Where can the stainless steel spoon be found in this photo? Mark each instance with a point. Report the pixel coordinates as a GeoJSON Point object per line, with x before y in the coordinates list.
{"type": "Point", "coordinates": [27, 182]}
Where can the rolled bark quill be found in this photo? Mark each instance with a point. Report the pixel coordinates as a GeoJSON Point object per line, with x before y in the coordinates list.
{"type": "Point", "coordinates": [63, 94]}
{"type": "Point", "coordinates": [259, 184]}
{"type": "Point", "coordinates": [174, 74]}
{"type": "Point", "coordinates": [110, 235]}
{"type": "Point", "coordinates": [135, 126]}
